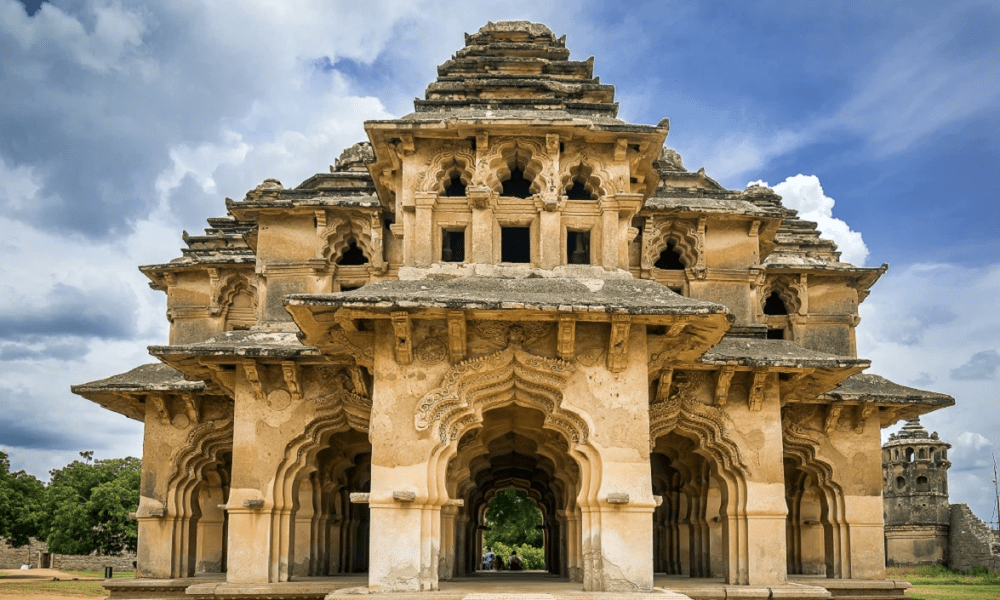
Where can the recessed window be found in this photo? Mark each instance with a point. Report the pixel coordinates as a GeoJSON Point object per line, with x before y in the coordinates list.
{"type": "Point", "coordinates": [578, 247]}
{"type": "Point", "coordinates": [350, 287]}
{"type": "Point", "coordinates": [775, 334]}
{"type": "Point", "coordinates": [922, 484]}
{"type": "Point", "coordinates": [577, 190]}
{"type": "Point", "coordinates": [670, 258]}
{"type": "Point", "coordinates": [453, 246]}
{"type": "Point", "coordinates": [774, 305]}
{"type": "Point", "coordinates": [515, 244]}
{"type": "Point", "coordinates": [352, 256]}
{"type": "Point", "coordinates": [900, 483]}
{"type": "Point", "coordinates": [455, 187]}
{"type": "Point", "coordinates": [517, 186]}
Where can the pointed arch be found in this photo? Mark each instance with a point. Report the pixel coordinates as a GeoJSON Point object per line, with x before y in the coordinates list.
{"type": "Point", "coordinates": [803, 449]}
{"type": "Point", "coordinates": [344, 412]}
{"type": "Point", "coordinates": [680, 235]}
{"type": "Point", "coordinates": [787, 291]}
{"type": "Point", "coordinates": [511, 375]}
{"type": "Point", "coordinates": [524, 154]}
{"type": "Point", "coordinates": [339, 237]}
{"type": "Point", "coordinates": [204, 446]}
{"type": "Point", "coordinates": [443, 167]}
{"type": "Point", "coordinates": [228, 288]}
{"type": "Point", "coordinates": [582, 173]}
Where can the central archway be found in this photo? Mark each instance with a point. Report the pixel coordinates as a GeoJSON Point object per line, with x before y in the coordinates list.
{"type": "Point", "coordinates": [512, 447]}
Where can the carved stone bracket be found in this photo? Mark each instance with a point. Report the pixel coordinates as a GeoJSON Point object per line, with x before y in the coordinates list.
{"type": "Point", "coordinates": [360, 345]}
{"type": "Point", "coordinates": [755, 400]}
{"type": "Point", "coordinates": [160, 403]}
{"type": "Point", "coordinates": [621, 148]}
{"type": "Point", "coordinates": [403, 330]}
{"type": "Point", "coordinates": [292, 381]}
{"type": "Point", "coordinates": [663, 389]}
{"type": "Point", "coordinates": [253, 377]}
{"type": "Point", "coordinates": [567, 338]}
{"type": "Point", "coordinates": [864, 411]}
{"type": "Point", "coordinates": [192, 406]}
{"type": "Point", "coordinates": [725, 377]}
{"type": "Point", "coordinates": [832, 416]}
{"type": "Point", "coordinates": [618, 345]}
{"type": "Point", "coordinates": [456, 335]}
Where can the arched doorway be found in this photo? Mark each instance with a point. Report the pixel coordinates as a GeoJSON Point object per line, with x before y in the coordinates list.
{"type": "Point", "coordinates": [514, 448]}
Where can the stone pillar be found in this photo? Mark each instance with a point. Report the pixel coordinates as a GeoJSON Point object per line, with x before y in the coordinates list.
{"type": "Point", "coordinates": [446, 568]}
{"type": "Point", "coordinates": [209, 537]}
{"type": "Point", "coordinates": [609, 234]}
{"type": "Point", "coordinates": [423, 232]}
{"type": "Point", "coordinates": [766, 508]}
{"type": "Point", "coordinates": [480, 200]}
{"type": "Point", "coordinates": [864, 505]}
{"type": "Point", "coordinates": [303, 531]}
{"type": "Point", "coordinates": [550, 239]}
{"type": "Point", "coordinates": [461, 544]}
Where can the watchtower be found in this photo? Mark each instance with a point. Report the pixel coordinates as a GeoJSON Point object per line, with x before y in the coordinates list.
{"type": "Point", "coordinates": [915, 495]}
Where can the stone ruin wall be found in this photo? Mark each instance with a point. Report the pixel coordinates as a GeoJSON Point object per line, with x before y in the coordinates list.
{"type": "Point", "coordinates": [971, 543]}
{"type": "Point", "coordinates": [32, 553]}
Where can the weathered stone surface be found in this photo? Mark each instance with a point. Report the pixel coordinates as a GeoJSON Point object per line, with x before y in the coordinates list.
{"type": "Point", "coordinates": [509, 287]}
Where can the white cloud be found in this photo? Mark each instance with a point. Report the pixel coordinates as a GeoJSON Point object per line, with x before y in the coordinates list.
{"type": "Point", "coordinates": [921, 323]}
{"type": "Point", "coordinates": [805, 194]}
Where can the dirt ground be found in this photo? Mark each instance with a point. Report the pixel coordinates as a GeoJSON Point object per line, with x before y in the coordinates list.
{"type": "Point", "coordinates": [15, 583]}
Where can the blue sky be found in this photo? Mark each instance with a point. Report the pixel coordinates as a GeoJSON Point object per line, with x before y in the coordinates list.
{"type": "Point", "coordinates": [125, 122]}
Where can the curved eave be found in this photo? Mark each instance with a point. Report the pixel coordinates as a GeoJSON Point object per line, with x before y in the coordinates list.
{"type": "Point", "coordinates": [201, 360]}
{"type": "Point", "coordinates": [897, 402]}
{"type": "Point", "coordinates": [250, 209]}
{"type": "Point", "coordinates": [125, 393]}
{"type": "Point", "coordinates": [537, 299]}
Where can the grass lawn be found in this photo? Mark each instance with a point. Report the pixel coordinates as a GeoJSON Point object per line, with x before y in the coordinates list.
{"type": "Point", "coordinates": [69, 588]}
{"type": "Point", "coordinates": [939, 583]}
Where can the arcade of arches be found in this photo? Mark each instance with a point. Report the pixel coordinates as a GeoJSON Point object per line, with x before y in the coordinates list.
{"type": "Point", "coordinates": [510, 287]}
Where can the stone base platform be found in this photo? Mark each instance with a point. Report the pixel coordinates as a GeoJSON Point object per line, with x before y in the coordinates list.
{"type": "Point", "coordinates": [497, 586]}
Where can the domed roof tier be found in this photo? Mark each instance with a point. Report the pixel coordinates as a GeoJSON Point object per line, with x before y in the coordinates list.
{"type": "Point", "coordinates": [517, 65]}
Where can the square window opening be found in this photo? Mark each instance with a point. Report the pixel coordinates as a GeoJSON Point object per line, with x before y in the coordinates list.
{"type": "Point", "coordinates": [578, 247]}
{"type": "Point", "coordinates": [515, 244]}
{"type": "Point", "coordinates": [775, 334]}
{"type": "Point", "coordinates": [453, 245]}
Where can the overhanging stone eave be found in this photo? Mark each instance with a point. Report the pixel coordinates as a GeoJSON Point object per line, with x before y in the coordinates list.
{"type": "Point", "coordinates": [127, 405]}
{"type": "Point", "coordinates": [253, 208]}
{"type": "Point", "coordinates": [869, 387]}
{"type": "Point", "coordinates": [124, 393]}
{"type": "Point", "coordinates": [436, 121]}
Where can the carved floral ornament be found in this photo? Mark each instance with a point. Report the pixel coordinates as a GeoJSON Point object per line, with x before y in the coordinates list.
{"type": "Point", "coordinates": [509, 376]}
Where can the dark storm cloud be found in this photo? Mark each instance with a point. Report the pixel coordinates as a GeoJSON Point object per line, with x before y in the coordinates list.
{"type": "Point", "coordinates": [22, 434]}
{"type": "Point", "coordinates": [100, 95]}
{"type": "Point", "coordinates": [982, 365]}
{"type": "Point", "coordinates": [60, 350]}
{"type": "Point", "coordinates": [71, 311]}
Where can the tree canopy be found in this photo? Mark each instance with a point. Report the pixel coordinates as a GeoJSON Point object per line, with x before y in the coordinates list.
{"type": "Point", "coordinates": [513, 520]}
{"type": "Point", "coordinates": [21, 500]}
{"type": "Point", "coordinates": [84, 508]}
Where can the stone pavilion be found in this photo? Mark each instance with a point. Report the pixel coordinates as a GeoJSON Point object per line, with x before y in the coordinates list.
{"type": "Point", "coordinates": [510, 287]}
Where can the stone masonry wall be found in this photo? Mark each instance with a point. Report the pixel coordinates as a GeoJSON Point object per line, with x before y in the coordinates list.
{"type": "Point", "coordinates": [33, 553]}
{"type": "Point", "coordinates": [970, 542]}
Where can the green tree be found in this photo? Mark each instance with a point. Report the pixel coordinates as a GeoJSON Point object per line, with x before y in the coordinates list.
{"type": "Point", "coordinates": [513, 520]}
{"type": "Point", "coordinates": [21, 501]}
{"type": "Point", "coordinates": [88, 505]}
